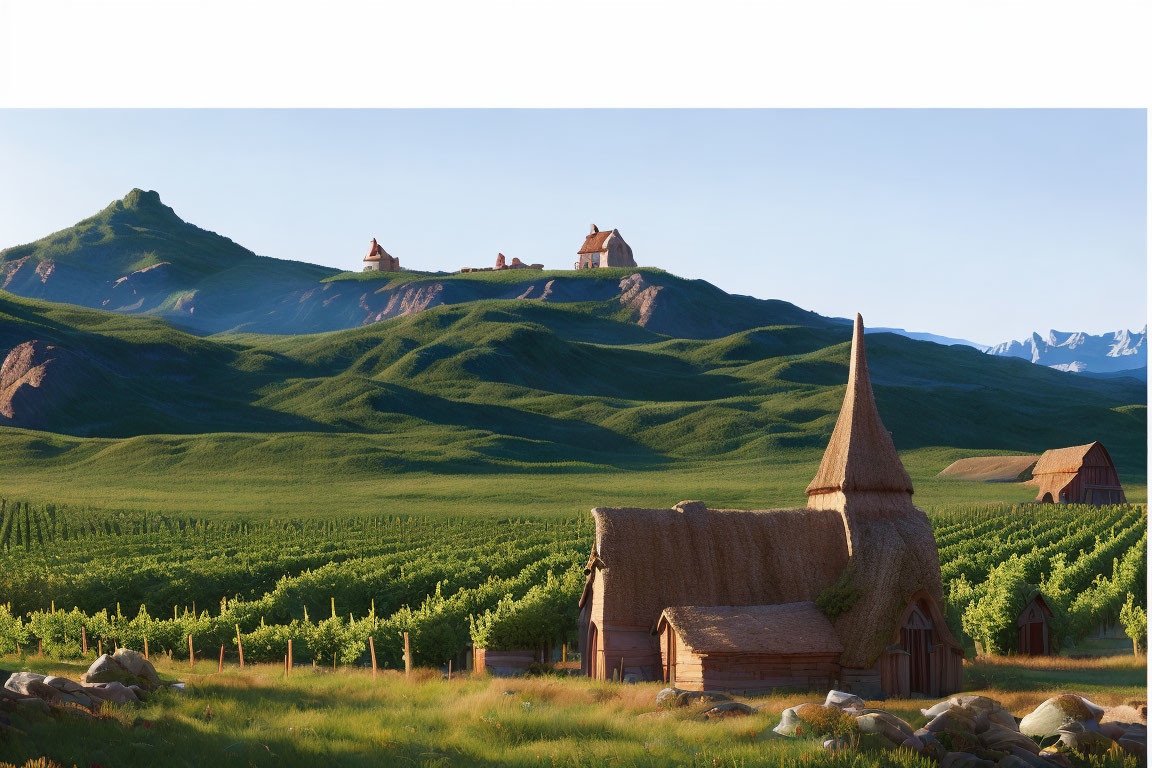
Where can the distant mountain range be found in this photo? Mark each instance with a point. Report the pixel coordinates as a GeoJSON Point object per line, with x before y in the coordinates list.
{"type": "Point", "coordinates": [1119, 353]}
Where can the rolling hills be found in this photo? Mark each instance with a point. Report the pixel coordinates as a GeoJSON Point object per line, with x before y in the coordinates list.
{"type": "Point", "coordinates": [506, 389]}
{"type": "Point", "coordinates": [202, 390]}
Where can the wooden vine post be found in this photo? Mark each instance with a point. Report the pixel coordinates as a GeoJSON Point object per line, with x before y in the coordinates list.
{"type": "Point", "coordinates": [372, 648]}
{"type": "Point", "coordinates": [221, 669]}
{"type": "Point", "coordinates": [239, 646]}
{"type": "Point", "coordinates": [191, 654]}
{"type": "Point", "coordinates": [289, 656]}
{"type": "Point", "coordinates": [84, 639]}
{"type": "Point", "coordinates": [145, 647]}
{"type": "Point", "coordinates": [407, 658]}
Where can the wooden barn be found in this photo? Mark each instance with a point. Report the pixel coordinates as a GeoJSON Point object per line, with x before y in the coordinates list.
{"type": "Point", "coordinates": [726, 599]}
{"type": "Point", "coordinates": [379, 260]}
{"type": "Point", "coordinates": [1032, 627]}
{"type": "Point", "coordinates": [1082, 474]}
{"type": "Point", "coordinates": [604, 249]}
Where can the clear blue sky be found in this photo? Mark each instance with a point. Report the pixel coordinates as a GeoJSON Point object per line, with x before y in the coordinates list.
{"type": "Point", "coordinates": [980, 224]}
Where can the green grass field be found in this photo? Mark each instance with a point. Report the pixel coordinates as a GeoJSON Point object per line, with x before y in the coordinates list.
{"type": "Point", "coordinates": [325, 474]}
{"type": "Point", "coordinates": [317, 717]}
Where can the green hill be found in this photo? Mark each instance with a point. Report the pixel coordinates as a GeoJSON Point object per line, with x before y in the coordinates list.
{"type": "Point", "coordinates": [505, 389]}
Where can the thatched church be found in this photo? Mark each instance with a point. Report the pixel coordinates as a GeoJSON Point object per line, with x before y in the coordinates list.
{"type": "Point", "coordinates": [727, 599]}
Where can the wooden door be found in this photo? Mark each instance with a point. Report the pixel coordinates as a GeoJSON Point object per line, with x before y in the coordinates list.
{"type": "Point", "coordinates": [593, 652]}
{"type": "Point", "coordinates": [669, 655]}
{"type": "Point", "coordinates": [1036, 639]}
{"type": "Point", "coordinates": [916, 636]}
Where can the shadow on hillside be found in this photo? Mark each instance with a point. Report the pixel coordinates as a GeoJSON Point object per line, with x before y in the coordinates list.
{"type": "Point", "coordinates": [536, 438]}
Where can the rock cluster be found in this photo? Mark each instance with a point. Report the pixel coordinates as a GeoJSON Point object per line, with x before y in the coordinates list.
{"type": "Point", "coordinates": [961, 732]}
{"type": "Point", "coordinates": [125, 677]}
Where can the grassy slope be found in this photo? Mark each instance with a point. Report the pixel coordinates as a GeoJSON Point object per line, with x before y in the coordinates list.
{"type": "Point", "coordinates": [320, 717]}
{"type": "Point", "coordinates": [502, 406]}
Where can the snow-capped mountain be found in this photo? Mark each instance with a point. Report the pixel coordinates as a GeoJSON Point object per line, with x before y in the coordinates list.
{"type": "Point", "coordinates": [1081, 352]}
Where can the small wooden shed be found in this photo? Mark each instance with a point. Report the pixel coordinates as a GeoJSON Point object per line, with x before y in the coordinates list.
{"type": "Point", "coordinates": [1082, 474]}
{"type": "Point", "coordinates": [1032, 626]}
{"type": "Point", "coordinates": [748, 648]}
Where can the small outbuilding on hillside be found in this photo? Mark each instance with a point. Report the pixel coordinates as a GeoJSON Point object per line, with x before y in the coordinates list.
{"type": "Point", "coordinates": [1033, 632]}
{"type": "Point", "coordinates": [1082, 474]}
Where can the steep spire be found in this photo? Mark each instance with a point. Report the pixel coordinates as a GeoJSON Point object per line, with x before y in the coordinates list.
{"type": "Point", "coordinates": [860, 456]}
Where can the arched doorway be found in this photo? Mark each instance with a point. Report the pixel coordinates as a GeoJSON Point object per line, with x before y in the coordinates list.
{"type": "Point", "coordinates": [593, 651]}
{"type": "Point", "coordinates": [916, 639]}
{"type": "Point", "coordinates": [1047, 499]}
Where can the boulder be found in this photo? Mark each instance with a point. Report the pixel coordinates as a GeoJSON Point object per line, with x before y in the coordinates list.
{"type": "Point", "coordinates": [1138, 747]}
{"type": "Point", "coordinates": [63, 684]}
{"type": "Point", "coordinates": [1079, 737]}
{"type": "Point", "coordinates": [952, 719]}
{"type": "Point", "coordinates": [1054, 757]}
{"type": "Point", "coordinates": [1030, 757]}
{"type": "Point", "coordinates": [1012, 761]}
{"type": "Point", "coordinates": [727, 710]}
{"type": "Point", "coordinates": [1047, 718]}
{"type": "Point", "coordinates": [842, 700]}
{"type": "Point", "coordinates": [834, 744]}
{"type": "Point", "coordinates": [887, 725]}
{"type": "Point", "coordinates": [135, 663]}
{"type": "Point", "coordinates": [29, 684]}
{"type": "Point", "coordinates": [937, 709]}
{"type": "Point", "coordinates": [115, 692]}
{"type": "Point", "coordinates": [913, 743]}
{"type": "Point", "coordinates": [964, 760]}
{"type": "Point", "coordinates": [687, 698]}
{"type": "Point", "coordinates": [127, 667]}
{"type": "Point", "coordinates": [1001, 738]}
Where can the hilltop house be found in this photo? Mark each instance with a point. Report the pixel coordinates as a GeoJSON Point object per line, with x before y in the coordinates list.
{"type": "Point", "coordinates": [378, 260]}
{"type": "Point", "coordinates": [1082, 474]}
{"type": "Point", "coordinates": [604, 249]}
{"type": "Point", "coordinates": [727, 599]}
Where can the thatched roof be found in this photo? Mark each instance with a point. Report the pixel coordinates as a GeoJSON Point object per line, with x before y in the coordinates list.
{"type": "Point", "coordinates": [991, 469]}
{"type": "Point", "coordinates": [787, 628]}
{"type": "Point", "coordinates": [691, 555]}
{"type": "Point", "coordinates": [860, 456]}
{"type": "Point", "coordinates": [894, 558]}
{"type": "Point", "coordinates": [1070, 460]}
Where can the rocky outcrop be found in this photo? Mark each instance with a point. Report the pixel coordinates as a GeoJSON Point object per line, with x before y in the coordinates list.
{"type": "Point", "coordinates": [34, 378]}
{"type": "Point", "coordinates": [33, 692]}
{"type": "Point", "coordinates": [142, 289]}
{"type": "Point", "coordinates": [972, 731]}
{"type": "Point", "coordinates": [639, 297]}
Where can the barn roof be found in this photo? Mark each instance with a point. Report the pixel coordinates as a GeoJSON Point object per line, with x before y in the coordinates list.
{"type": "Point", "coordinates": [691, 555]}
{"type": "Point", "coordinates": [860, 455]}
{"type": "Point", "coordinates": [786, 628]}
{"type": "Point", "coordinates": [595, 242]}
{"type": "Point", "coordinates": [1066, 460]}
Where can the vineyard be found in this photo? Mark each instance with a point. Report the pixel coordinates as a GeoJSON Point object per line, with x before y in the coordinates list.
{"type": "Point", "coordinates": [72, 576]}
